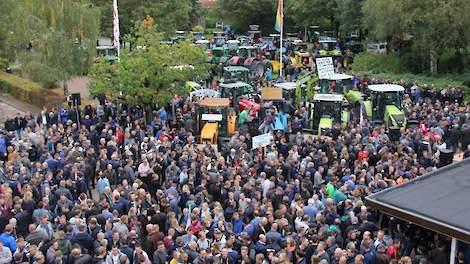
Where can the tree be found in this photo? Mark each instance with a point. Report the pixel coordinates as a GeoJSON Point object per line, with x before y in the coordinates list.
{"type": "Point", "coordinates": [152, 73]}
{"type": "Point", "coordinates": [433, 26]}
{"type": "Point", "coordinates": [243, 13]}
{"type": "Point", "coordinates": [52, 39]}
{"type": "Point", "coordinates": [335, 14]}
{"type": "Point", "coordinates": [169, 15]}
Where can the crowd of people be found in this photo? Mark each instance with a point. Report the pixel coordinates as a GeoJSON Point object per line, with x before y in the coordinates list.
{"type": "Point", "coordinates": [112, 184]}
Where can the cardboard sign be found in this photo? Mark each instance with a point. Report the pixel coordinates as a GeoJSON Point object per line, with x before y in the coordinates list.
{"type": "Point", "coordinates": [325, 67]}
{"type": "Point", "coordinates": [262, 140]}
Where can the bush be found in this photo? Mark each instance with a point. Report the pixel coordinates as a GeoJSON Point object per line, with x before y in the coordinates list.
{"type": "Point", "coordinates": [389, 63]}
{"type": "Point", "coordinates": [42, 74]}
{"type": "Point", "coordinates": [27, 91]}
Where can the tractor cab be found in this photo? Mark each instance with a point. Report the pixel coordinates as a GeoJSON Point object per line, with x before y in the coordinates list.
{"type": "Point", "coordinates": [327, 110]}
{"type": "Point", "coordinates": [328, 46]}
{"type": "Point", "coordinates": [235, 91]}
{"type": "Point", "coordinates": [219, 41]}
{"type": "Point", "coordinates": [254, 32]}
{"type": "Point", "coordinates": [180, 36]}
{"type": "Point", "coordinates": [288, 90]}
{"type": "Point", "coordinates": [219, 34]}
{"type": "Point", "coordinates": [235, 74]}
{"type": "Point", "coordinates": [313, 32]}
{"type": "Point", "coordinates": [340, 84]}
{"type": "Point", "coordinates": [215, 120]}
{"type": "Point", "coordinates": [299, 45]}
{"type": "Point", "coordinates": [204, 44]}
{"type": "Point", "coordinates": [109, 53]}
{"type": "Point", "coordinates": [217, 55]}
{"type": "Point", "coordinates": [198, 35]}
{"type": "Point", "coordinates": [232, 46]}
{"type": "Point", "coordinates": [385, 104]}
{"type": "Point", "coordinates": [337, 83]}
{"type": "Point", "coordinates": [247, 52]}
{"type": "Point", "coordinates": [301, 59]}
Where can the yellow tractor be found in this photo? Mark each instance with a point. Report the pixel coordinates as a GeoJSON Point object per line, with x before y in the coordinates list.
{"type": "Point", "coordinates": [215, 120]}
{"type": "Point", "coordinates": [301, 59]}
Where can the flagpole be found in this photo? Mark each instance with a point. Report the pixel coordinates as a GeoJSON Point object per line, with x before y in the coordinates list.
{"type": "Point", "coordinates": [282, 29]}
{"type": "Point", "coordinates": [116, 33]}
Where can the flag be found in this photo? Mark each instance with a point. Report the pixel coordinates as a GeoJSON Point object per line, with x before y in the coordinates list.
{"type": "Point", "coordinates": [279, 17]}
{"type": "Point", "coordinates": [116, 26]}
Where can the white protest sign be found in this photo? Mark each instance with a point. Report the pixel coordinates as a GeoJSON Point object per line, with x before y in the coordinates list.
{"type": "Point", "coordinates": [262, 140]}
{"type": "Point", "coordinates": [325, 67]}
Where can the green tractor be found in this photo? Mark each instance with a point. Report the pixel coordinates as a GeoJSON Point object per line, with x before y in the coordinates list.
{"type": "Point", "coordinates": [326, 111]}
{"type": "Point", "coordinates": [109, 53]}
{"type": "Point", "coordinates": [218, 55]}
{"type": "Point", "coordinates": [235, 74]}
{"type": "Point", "coordinates": [385, 105]}
{"type": "Point", "coordinates": [235, 91]}
{"type": "Point", "coordinates": [328, 46]}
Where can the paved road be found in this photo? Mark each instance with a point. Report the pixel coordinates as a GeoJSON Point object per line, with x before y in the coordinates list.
{"type": "Point", "coordinates": [7, 110]}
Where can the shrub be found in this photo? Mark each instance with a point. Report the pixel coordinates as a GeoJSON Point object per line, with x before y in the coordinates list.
{"type": "Point", "coordinates": [27, 91]}
{"type": "Point", "coordinates": [389, 63]}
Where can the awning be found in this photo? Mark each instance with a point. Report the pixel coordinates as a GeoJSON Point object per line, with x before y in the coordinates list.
{"type": "Point", "coordinates": [439, 201]}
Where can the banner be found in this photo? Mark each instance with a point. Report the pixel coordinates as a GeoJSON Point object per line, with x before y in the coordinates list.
{"type": "Point", "coordinates": [325, 67]}
{"type": "Point", "coordinates": [261, 140]}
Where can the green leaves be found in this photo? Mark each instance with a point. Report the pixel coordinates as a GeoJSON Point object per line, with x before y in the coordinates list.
{"type": "Point", "coordinates": [153, 74]}
{"type": "Point", "coordinates": [169, 15]}
{"type": "Point", "coordinates": [62, 33]}
{"type": "Point", "coordinates": [433, 26]}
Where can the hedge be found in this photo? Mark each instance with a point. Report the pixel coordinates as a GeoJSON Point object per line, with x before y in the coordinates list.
{"type": "Point", "coordinates": [27, 91]}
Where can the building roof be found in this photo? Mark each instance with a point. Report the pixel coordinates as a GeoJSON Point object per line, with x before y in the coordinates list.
{"type": "Point", "coordinates": [438, 201]}
{"type": "Point", "coordinates": [386, 88]}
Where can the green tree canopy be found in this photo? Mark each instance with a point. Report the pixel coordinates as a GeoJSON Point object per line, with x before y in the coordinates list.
{"type": "Point", "coordinates": [244, 13]}
{"type": "Point", "coordinates": [152, 73]}
{"type": "Point", "coordinates": [169, 15]}
{"type": "Point", "coordinates": [52, 39]}
{"type": "Point", "coordinates": [432, 26]}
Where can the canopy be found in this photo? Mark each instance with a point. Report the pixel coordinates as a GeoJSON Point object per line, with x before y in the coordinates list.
{"type": "Point", "coordinates": [438, 201]}
{"type": "Point", "coordinates": [382, 88]}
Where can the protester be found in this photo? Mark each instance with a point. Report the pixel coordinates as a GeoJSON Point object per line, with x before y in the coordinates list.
{"type": "Point", "coordinates": [118, 189]}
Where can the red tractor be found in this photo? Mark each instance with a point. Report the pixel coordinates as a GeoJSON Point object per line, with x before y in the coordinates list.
{"type": "Point", "coordinates": [252, 58]}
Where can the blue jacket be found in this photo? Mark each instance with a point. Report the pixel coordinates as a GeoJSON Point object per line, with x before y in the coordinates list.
{"type": "Point", "coordinates": [8, 241]}
{"type": "Point", "coordinates": [3, 146]}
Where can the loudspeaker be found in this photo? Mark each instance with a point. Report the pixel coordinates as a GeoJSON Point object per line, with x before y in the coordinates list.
{"type": "Point", "coordinates": [75, 99]}
{"type": "Point", "coordinates": [446, 157]}
{"type": "Point", "coordinates": [394, 133]}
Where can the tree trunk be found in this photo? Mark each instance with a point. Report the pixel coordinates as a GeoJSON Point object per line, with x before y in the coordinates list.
{"type": "Point", "coordinates": [433, 61]}
{"type": "Point", "coordinates": [66, 88]}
